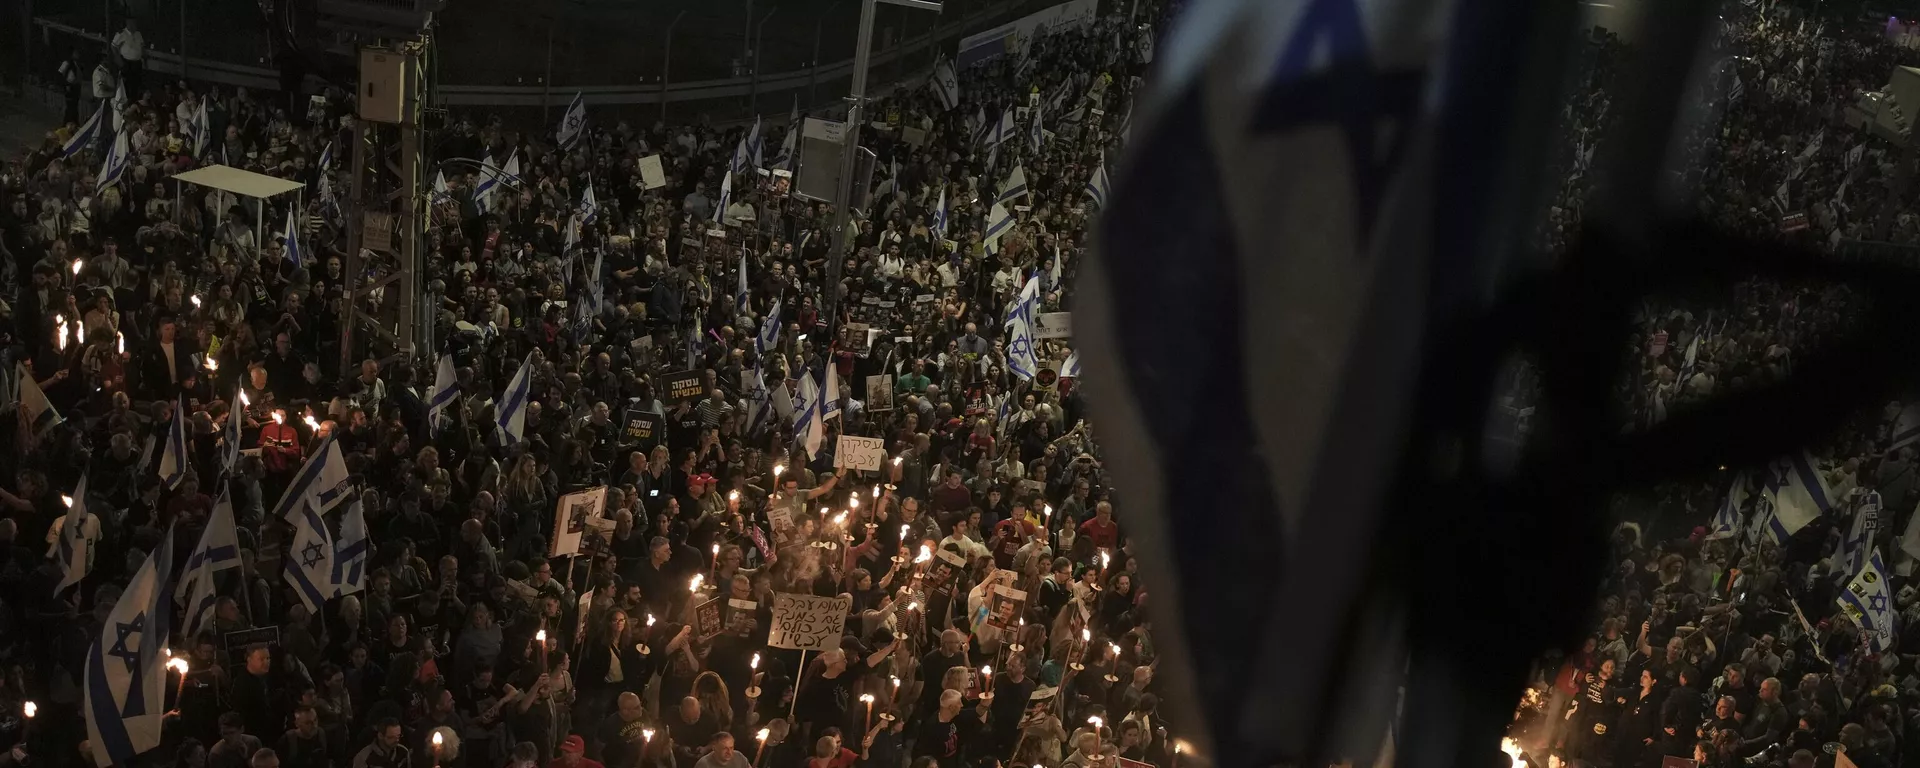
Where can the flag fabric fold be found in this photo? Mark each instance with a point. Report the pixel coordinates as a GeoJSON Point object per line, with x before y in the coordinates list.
{"type": "Point", "coordinates": [126, 675]}
{"type": "Point", "coordinates": [218, 550]}
{"type": "Point", "coordinates": [512, 414]}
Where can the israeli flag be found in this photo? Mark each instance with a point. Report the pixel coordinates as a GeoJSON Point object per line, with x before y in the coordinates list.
{"type": "Point", "coordinates": [573, 124]}
{"type": "Point", "coordinates": [78, 532]}
{"type": "Point", "coordinates": [445, 388]}
{"type": "Point", "coordinates": [740, 291]}
{"type": "Point", "coordinates": [1796, 494]}
{"type": "Point", "coordinates": [769, 337]}
{"type": "Point", "coordinates": [203, 130]}
{"type": "Point", "coordinates": [1015, 187]}
{"type": "Point", "coordinates": [126, 674]}
{"type": "Point", "coordinates": [173, 457]}
{"type": "Point", "coordinates": [830, 395]}
{"type": "Point", "coordinates": [1906, 427]}
{"type": "Point", "coordinates": [492, 177]}
{"type": "Point", "coordinates": [1726, 519]}
{"type": "Point", "coordinates": [218, 550]}
{"type": "Point", "coordinates": [1852, 552]}
{"type": "Point", "coordinates": [1054, 271]}
{"type": "Point", "coordinates": [1300, 145]}
{"type": "Point", "coordinates": [87, 135]}
{"type": "Point", "coordinates": [762, 402]}
{"type": "Point", "coordinates": [1036, 135]}
{"type": "Point", "coordinates": [441, 192]}
{"type": "Point", "coordinates": [120, 103]}
{"type": "Point", "coordinates": [349, 565]}
{"type": "Point", "coordinates": [119, 156]}
{"type": "Point", "coordinates": [809, 425]}
{"type": "Point", "coordinates": [1021, 358]}
{"type": "Point", "coordinates": [236, 425]}
{"type": "Point", "coordinates": [939, 224]}
{"type": "Point", "coordinates": [1738, 90]}
{"type": "Point", "coordinates": [747, 151]}
{"type": "Point", "coordinates": [292, 234]}
{"type": "Point", "coordinates": [1868, 601]}
{"type": "Point", "coordinates": [1001, 130]}
{"type": "Point", "coordinates": [1098, 187]}
{"type": "Point", "coordinates": [309, 560]}
{"type": "Point", "coordinates": [512, 416]}
{"type": "Point", "coordinates": [945, 85]}
{"type": "Point", "coordinates": [38, 410]}
{"type": "Point", "coordinates": [589, 205]}
{"type": "Point", "coordinates": [1854, 155]}
{"type": "Point", "coordinates": [1071, 368]}
{"type": "Point", "coordinates": [726, 196]}
{"type": "Point", "coordinates": [319, 485]}
{"type": "Point", "coordinates": [999, 223]}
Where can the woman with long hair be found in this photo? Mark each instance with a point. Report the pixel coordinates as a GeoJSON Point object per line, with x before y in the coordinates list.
{"type": "Point", "coordinates": [610, 664]}
{"type": "Point", "coordinates": [714, 698]}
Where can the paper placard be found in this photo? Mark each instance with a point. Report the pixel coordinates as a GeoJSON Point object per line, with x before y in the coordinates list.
{"type": "Point", "coordinates": [716, 232]}
{"type": "Point", "coordinates": [1053, 325]}
{"type": "Point", "coordinates": [706, 620]}
{"type": "Point", "coordinates": [951, 558]}
{"type": "Point", "coordinates": [684, 386]}
{"type": "Point", "coordinates": [742, 605]}
{"type": "Point", "coordinates": [644, 428]}
{"type": "Point", "coordinates": [780, 518]}
{"type": "Point", "coordinates": [580, 615]}
{"type": "Point", "coordinates": [1004, 610]}
{"type": "Point", "coordinates": [903, 339]}
{"type": "Point", "coordinates": [652, 176]}
{"type": "Point", "coordinates": [888, 303]}
{"type": "Point", "coordinates": [915, 136]}
{"type": "Point", "coordinates": [862, 454]}
{"type": "Point", "coordinates": [870, 301]}
{"type": "Point", "coordinates": [742, 615]}
{"type": "Point", "coordinates": [570, 518]}
{"type": "Point", "coordinates": [879, 393]}
{"type": "Point", "coordinates": [925, 298]}
{"type": "Point", "coordinates": [807, 622]}
{"type": "Point", "coordinates": [239, 642]}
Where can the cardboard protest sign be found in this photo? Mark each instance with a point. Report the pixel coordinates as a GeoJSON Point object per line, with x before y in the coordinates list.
{"type": "Point", "coordinates": [863, 454]}
{"type": "Point", "coordinates": [879, 393]}
{"type": "Point", "coordinates": [807, 622]}
{"type": "Point", "coordinates": [652, 176]}
{"type": "Point", "coordinates": [706, 620]}
{"type": "Point", "coordinates": [684, 386]}
{"type": "Point", "coordinates": [915, 136]}
{"type": "Point", "coordinates": [570, 518]}
{"type": "Point", "coordinates": [239, 642]}
{"type": "Point", "coordinates": [741, 615]}
{"type": "Point", "coordinates": [857, 336]}
{"type": "Point", "coordinates": [580, 615]}
{"type": "Point", "coordinates": [1053, 325]}
{"type": "Point", "coordinates": [644, 428]}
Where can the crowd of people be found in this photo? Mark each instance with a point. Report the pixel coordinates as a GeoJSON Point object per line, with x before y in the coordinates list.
{"type": "Point", "coordinates": [1753, 617]}
{"type": "Point", "coordinates": [649, 346]}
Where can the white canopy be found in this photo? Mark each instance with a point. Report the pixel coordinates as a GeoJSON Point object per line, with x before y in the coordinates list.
{"type": "Point", "coordinates": [239, 182]}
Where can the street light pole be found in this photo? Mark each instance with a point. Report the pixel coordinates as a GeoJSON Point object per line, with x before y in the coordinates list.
{"type": "Point", "coordinates": [753, 97]}
{"type": "Point", "coordinates": [666, 61]}
{"type": "Point", "coordinates": [813, 74]}
{"type": "Point", "coordinates": [850, 146]}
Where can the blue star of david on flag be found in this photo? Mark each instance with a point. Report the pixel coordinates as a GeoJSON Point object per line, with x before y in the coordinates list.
{"type": "Point", "coordinates": [312, 554]}
{"type": "Point", "coordinates": [123, 632]}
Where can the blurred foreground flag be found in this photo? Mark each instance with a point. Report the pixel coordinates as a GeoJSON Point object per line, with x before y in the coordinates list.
{"type": "Point", "coordinates": [1277, 198]}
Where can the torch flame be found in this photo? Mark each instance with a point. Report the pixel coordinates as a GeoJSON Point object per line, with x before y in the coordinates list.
{"type": "Point", "coordinates": [896, 681]}
{"type": "Point", "coordinates": [840, 519]}
{"type": "Point", "coordinates": [67, 500]}
{"type": "Point", "coordinates": [279, 417]}
{"type": "Point", "coordinates": [214, 365]}
{"type": "Point", "coordinates": [867, 697]}
{"type": "Point", "coordinates": [755, 664]}
{"type": "Point", "coordinates": [540, 637]}
{"type": "Point", "coordinates": [926, 553]}
{"type": "Point", "coordinates": [312, 423]}
{"type": "Point", "coordinates": [30, 709]}
{"type": "Point", "coordinates": [121, 339]}
{"type": "Point", "coordinates": [646, 734]}
{"type": "Point", "coordinates": [1086, 635]}
{"type": "Point", "coordinates": [196, 300]}
{"type": "Point", "coordinates": [76, 266]}
{"type": "Point", "coordinates": [876, 491]}
{"type": "Point", "coordinates": [1095, 721]}
{"type": "Point", "coordinates": [178, 664]}
{"type": "Point", "coordinates": [853, 502]}
{"type": "Point", "coordinates": [437, 739]}
{"type": "Point", "coordinates": [649, 619]}
{"type": "Point", "coordinates": [779, 468]}
{"type": "Point", "coordinates": [763, 734]}
{"type": "Point", "coordinates": [733, 495]}
{"type": "Point", "coordinates": [896, 461]}
{"type": "Point", "coordinates": [1512, 749]}
{"type": "Point", "coordinates": [694, 584]}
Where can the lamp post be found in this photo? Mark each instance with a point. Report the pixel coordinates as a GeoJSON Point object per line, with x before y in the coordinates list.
{"type": "Point", "coordinates": [753, 93]}
{"type": "Point", "coordinates": [666, 62]}
{"type": "Point", "coordinates": [813, 73]}
{"type": "Point", "coordinates": [856, 103]}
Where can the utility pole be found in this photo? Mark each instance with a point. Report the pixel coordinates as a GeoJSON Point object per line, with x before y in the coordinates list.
{"type": "Point", "coordinates": [856, 107]}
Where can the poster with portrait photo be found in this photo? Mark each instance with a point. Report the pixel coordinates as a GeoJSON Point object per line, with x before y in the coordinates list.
{"type": "Point", "coordinates": [1006, 607]}
{"type": "Point", "coordinates": [571, 516]}
{"type": "Point", "coordinates": [880, 393]}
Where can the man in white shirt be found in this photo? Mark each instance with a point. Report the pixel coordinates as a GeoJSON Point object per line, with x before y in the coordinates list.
{"type": "Point", "coordinates": [973, 550]}
{"type": "Point", "coordinates": [131, 47]}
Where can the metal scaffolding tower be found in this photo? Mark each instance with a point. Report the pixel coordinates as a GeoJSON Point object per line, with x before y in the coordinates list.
{"type": "Point", "coordinates": [386, 225]}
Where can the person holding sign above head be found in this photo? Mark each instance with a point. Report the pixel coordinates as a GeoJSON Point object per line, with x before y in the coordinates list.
{"type": "Point", "coordinates": [826, 696]}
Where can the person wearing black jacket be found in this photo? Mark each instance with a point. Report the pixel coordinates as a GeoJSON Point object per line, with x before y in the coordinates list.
{"type": "Point", "coordinates": [1680, 714]}
{"type": "Point", "coordinates": [304, 745]}
{"type": "Point", "coordinates": [1639, 726]}
{"type": "Point", "coordinates": [946, 734]}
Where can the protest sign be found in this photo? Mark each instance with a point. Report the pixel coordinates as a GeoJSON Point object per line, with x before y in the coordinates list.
{"type": "Point", "coordinates": [706, 620]}
{"type": "Point", "coordinates": [807, 622]}
{"type": "Point", "coordinates": [645, 428]}
{"type": "Point", "coordinates": [1053, 325]}
{"type": "Point", "coordinates": [1005, 608]}
{"type": "Point", "coordinates": [741, 616]}
{"type": "Point", "coordinates": [652, 176]}
{"type": "Point", "coordinates": [684, 387]}
{"type": "Point", "coordinates": [915, 136]}
{"type": "Point", "coordinates": [239, 642]}
{"type": "Point", "coordinates": [862, 454]}
{"type": "Point", "coordinates": [570, 518]}
{"type": "Point", "coordinates": [879, 393]}
{"type": "Point", "coordinates": [580, 615]}
{"type": "Point", "coordinates": [857, 336]}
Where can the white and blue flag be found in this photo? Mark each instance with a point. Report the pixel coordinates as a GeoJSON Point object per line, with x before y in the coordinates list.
{"type": "Point", "coordinates": [126, 673]}
{"type": "Point", "coordinates": [1015, 186]}
{"type": "Point", "coordinates": [218, 550]}
{"type": "Point", "coordinates": [1795, 493]}
{"type": "Point", "coordinates": [1868, 601]}
{"type": "Point", "coordinates": [1000, 131]}
{"type": "Point", "coordinates": [292, 234]}
{"type": "Point", "coordinates": [1297, 143]}
{"type": "Point", "coordinates": [999, 223]}
{"type": "Point", "coordinates": [747, 153]}
{"type": "Point", "coordinates": [938, 227]}
{"type": "Point", "coordinates": [1098, 187]}
{"type": "Point", "coordinates": [1036, 135]}
{"type": "Point", "coordinates": [726, 196]}
{"type": "Point", "coordinates": [740, 291]}
{"type": "Point", "coordinates": [37, 410]}
{"type": "Point", "coordinates": [1858, 539]}
{"type": "Point", "coordinates": [512, 415]}
{"type": "Point", "coordinates": [1906, 427]}
{"type": "Point", "coordinates": [809, 422]}
{"type": "Point", "coordinates": [119, 156]}
{"type": "Point", "coordinates": [1071, 368]}
{"type": "Point", "coordinates": [309, 560]}
{"type": "Point", "coordinates": [235, 430]}
{"type": "Point", "coordinates": [945, 85]}
{"type": "Point", "coordinates": [1055, 270]}
{"type": "Point", "coordinates": [79, 530]}
{"type": "Point", "coordinates": [350, 551]}
{"type": "Point", "coordinates": [87, 135]}
{"type": "Point", "coordinates": [1021, 358]}
{"type": "Point", "coordinates": [319, 485]}
{"type": "Point", "coordinates": [1726, 519]}
{"type": "Point", "coordinates": [173, 456]}
{"type": "Point", "coordinates": [769, 337]}
{"type": "Point", "coordinates": [445, 388]}
{"type": "Point", "coordinates": [573, 123]}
